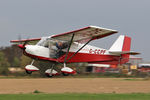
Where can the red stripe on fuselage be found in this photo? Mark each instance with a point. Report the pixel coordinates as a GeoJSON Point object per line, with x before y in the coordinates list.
{"type": "Point", "coordinates": [83, 57]}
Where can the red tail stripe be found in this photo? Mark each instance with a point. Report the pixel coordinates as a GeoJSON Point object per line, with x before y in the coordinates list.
{"type": "Point", "coordinates": [126, 44]}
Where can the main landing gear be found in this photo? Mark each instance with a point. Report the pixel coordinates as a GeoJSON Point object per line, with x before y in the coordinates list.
{"type": "Point", "coordinates": [51, 72]}
{"type": "Point", "coordinates": [66, 71]}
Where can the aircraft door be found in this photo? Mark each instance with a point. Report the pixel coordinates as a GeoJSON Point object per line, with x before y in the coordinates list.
{"type": "Point", "coordinates": [52, 48]}
{"type": "Point", "coordinates": [57, 48]}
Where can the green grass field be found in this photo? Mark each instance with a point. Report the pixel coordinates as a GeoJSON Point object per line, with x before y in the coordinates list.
{"type": "Point", "coordinates": [71, 96]}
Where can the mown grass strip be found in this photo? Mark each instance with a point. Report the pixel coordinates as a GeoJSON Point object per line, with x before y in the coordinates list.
{"type": "Point", "coordinates": [75, 96]}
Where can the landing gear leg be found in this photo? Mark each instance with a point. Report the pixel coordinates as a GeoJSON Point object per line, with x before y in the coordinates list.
{"type": "Point", "coordinates": [32, 62]}
{"type": "Point", "coordinates": [49, 73]}
{"type": "Point", "coordinates": [52, 68]}
{"type": "Point", "coordinates": [63, 73]}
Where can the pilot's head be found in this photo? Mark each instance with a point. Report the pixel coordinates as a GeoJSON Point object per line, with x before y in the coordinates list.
{"type": "Point", "coordinates": [60, 43]}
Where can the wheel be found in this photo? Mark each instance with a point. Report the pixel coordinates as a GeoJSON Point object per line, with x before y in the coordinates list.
{"type": "Point", "coordinates": [49, 75]}
{"type": "Point", "coordinates": [65, 74]}
{"type": "Point", "coordinates": [28, 72]}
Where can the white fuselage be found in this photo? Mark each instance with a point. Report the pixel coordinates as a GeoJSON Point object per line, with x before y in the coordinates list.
{"type": "Point", "coordinates": [42, 51]}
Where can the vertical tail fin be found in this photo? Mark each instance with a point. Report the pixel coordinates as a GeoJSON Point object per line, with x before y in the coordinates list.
{"type": "Point", "coordinates": [121, 47]}
{"type": "Point", "coordinates": [123, 43]}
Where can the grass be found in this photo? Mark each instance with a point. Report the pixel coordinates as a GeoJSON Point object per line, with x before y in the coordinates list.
{"type": "Point", "coordinates": [71, 96]}
{"type": "Point", "coordinates": [37, 91]}
{"type": "Point", "coordinates": [133, 79]}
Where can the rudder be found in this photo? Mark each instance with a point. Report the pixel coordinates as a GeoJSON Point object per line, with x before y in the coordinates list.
{"type": "Point", "coordinates": [123, 43]}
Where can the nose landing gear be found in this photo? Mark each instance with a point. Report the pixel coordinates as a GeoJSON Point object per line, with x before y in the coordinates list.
{"type": "Point", "coordinates": [30, 68]}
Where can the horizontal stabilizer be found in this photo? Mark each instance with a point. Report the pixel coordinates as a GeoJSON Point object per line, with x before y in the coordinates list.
{"type": "Point", "coordinates": [124, 52]}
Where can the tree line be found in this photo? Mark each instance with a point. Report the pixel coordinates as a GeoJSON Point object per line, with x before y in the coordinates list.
{"type": "Point", "coordinates": [12, 56]}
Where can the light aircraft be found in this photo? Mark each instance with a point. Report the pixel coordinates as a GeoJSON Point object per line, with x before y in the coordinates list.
{"type": "Point", "coordinates": [72, 47]}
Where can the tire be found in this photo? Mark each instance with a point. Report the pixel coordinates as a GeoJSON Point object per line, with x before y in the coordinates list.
{"type": "Point", "coordinates": [65, 74]}
{"type": "Point", "coordinates": [28, 72]}
{"type": "Point", "coordinates": [48, 75]}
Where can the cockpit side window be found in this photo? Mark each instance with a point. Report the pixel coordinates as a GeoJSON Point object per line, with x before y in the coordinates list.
{"type": "Point", "coordinates": [57, 48]}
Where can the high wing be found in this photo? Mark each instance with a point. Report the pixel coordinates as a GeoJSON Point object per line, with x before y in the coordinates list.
{"type": "Point", "coordinates": [81, 35]}
{"type": "Point", "coordinates": [84, 34]}
{"type": "Point", "coordinates": [30, 41]}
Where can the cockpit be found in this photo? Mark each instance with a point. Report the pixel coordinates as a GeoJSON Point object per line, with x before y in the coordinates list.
{"type": "Point", "coordinates": [56, 48]}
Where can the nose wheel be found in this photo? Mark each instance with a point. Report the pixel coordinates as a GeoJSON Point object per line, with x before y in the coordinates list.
{"type": "Point", "coordinates": [28, 72]}
{"type": "Point", "coordinates": [30, 68]}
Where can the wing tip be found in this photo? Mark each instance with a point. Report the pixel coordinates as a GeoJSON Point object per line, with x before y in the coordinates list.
{"type": "Point", "coordinates": [23, 40]}
{"type": "Point", "coordinates": [92, 26]}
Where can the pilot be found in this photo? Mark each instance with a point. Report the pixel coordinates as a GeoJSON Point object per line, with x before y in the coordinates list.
{"type": "Point", "coordinates": [60, 45]}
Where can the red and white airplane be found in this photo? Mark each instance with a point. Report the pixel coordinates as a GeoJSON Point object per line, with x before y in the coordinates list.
{"type": "Point", "coordinates": [71, 47]}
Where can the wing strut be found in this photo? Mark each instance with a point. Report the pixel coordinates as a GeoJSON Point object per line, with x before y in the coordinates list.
{"type": "Point", "coordinates": [68, 49]}
{"type": "Point", "coordinates": [80, 49]}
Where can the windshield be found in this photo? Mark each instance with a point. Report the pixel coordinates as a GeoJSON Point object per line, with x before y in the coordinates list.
{"type": "Point", "coordinates": [43, 41]}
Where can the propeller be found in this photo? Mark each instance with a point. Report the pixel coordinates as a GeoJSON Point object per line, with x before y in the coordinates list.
{"type": "Point", "coordinates": [25, 43]}
{"type": "Point", "coordinates": [22, 46]}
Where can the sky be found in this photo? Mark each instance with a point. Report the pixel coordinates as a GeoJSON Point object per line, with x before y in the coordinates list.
{"type": "Point", "coordinates": [37, 18]}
